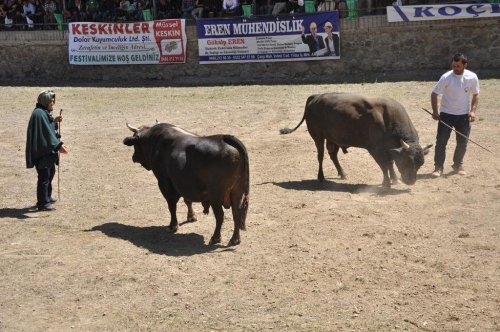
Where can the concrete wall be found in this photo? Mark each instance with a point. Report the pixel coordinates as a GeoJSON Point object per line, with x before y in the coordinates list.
{"type": "Point", "coordinates": [371, 49]}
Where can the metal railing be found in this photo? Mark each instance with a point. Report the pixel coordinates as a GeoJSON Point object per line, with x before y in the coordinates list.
{"type": "Point", "coordinates": [366, 19]}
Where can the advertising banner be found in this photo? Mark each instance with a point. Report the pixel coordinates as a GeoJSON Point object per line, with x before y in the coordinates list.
{"type": "Point", "coordinates": [152, 42]}
{"type": "Point", "coordinates": [269, 39]}
{"type": "Point", "coordinates": [442, 12]}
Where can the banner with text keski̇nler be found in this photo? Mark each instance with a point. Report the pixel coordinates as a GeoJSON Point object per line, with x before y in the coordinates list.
{"type": "Point", "coordinates": [153, 42]}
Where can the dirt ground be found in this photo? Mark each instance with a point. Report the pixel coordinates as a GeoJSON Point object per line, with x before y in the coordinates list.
{"type": "Point", "coordinates": [337, 256]}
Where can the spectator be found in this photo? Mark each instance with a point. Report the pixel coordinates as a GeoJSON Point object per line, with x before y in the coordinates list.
{"type": "Point", "coordinates": [142, 5]}
{"type": "Point", "coordinates": [263, 7]}
{"type": "Point", "coordinates": [212, 7]}
{"type": "Point", "coordinates": [29, 11]}
{"type": "Point", "coordinates": [39, 13]}
{"type": "Point", "coordinates": [134, 10]}
{"type": "Point", "coordinates": [167, 9]}
{"type": "Point", "coordinates": [77, 10]}
{"type": "Point", "coordinates": [279, 7]}
{"type": "Point", "coordinates": [329, 5]}
{"type": "Point", "coordinates": [5, 15]}
{"type": "Point", "coordinates": [3, 12]}
{"type": "Point", "coordinates": [15, 14]}
{"type": "Point", "coordinates": [341, 6]}
{"type": "Point", "coordinates": [49, 7]}
{"type": "Point", "coordinates": [297, 6]}
{"type": "Point", "coordinates": [107, 11]}
{"type": "Point", "coordinates": [122, 11]}
{"type": "Point", "coordinates": [230, 8]}
{"type": "Point", "coordinates": [92, 10]}
{"type": "Point", "coordinates": [187, 8]}
{"type": "Point", "coordinates": [198, 9]}
{"type": "Point", "coordinates": [320, 6]}
{"type": "Point", "coordinates": [60, 9]}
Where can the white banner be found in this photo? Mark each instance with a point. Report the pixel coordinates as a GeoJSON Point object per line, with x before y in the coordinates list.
{"type": "Point", "coordinates": [442, 12]}
{"type": "Point", "coordinates": [152, 42]}
{"type": "Point", "coordinates": [268, 39]}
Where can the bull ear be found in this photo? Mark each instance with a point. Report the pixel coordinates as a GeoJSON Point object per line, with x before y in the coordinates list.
{"type": "Point", "coordinates": [129, 141]}
{"type": "Point", "coordinates": [427, 149]}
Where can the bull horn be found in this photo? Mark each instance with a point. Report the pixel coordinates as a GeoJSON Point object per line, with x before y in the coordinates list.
{"type": "Point", "coordinates": [404, 145]}
{"type": "Point", "coordinates": [157, 121]}
{"type": "Point", "coordinates": [135, 130]}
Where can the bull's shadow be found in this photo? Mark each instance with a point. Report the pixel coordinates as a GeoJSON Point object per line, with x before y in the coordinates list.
{"type": "Point", "coordinates": [315, 185]}
{"type": "Point", "coordinates": [157, 239]}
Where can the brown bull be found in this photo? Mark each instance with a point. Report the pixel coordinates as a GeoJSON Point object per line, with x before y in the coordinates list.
{"type": "Point", "coordinates": [379, 125]}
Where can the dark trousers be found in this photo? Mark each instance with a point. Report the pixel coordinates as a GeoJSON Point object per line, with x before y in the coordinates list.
{"type": "Point", "coordinates": [44, 185]}
{"type": "Point", "coordinates": [461, 124]}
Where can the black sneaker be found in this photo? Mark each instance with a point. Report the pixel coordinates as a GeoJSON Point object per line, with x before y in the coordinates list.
{"type": "Point", "coordinates": [48, 207]}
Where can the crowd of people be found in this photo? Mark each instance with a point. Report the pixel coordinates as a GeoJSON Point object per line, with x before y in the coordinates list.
{"type": "Point", "coordinates": [41, 14]}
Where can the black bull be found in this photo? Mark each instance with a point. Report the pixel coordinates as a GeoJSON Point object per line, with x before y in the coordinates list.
{"type": "Point", "coordinates": [213, 170]}
{"type": "Point", "coordinates": [379, 125]}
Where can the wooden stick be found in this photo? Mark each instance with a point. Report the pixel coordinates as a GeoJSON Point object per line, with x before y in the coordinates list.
{"type": "Point", "coordinates": [59, 160]}
{"type": "Point", "coordinates": [459, 132]}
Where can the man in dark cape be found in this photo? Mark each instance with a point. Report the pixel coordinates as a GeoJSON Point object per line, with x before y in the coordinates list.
{"type": "Point", "coordinates": [42, 146]}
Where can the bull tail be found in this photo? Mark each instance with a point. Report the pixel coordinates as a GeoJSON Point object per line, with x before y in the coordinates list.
{"type": "Point", "coordinates": [285, 131]}
{"type": "Point", "coordinates": [244, 200]}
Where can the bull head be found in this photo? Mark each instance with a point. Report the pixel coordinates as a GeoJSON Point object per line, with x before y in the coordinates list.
{"type": "Point", "coordinates": [129, 141]}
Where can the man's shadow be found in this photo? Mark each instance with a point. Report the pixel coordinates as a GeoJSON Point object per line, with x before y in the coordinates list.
{"type": "Point", "coordinates": [157, 239]}
{"type": "Point", "coordinates": [18, 213]}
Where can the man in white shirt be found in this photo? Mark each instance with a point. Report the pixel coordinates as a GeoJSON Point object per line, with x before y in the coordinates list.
{"type": "Point", "coordinates": [29, 13]}
{"type": "Point", "coordinates": [456, 110]}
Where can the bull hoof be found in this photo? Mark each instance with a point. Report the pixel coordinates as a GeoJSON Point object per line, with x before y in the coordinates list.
{"type": "Point", "coordinates": [191, 218]}
{"type": "Point", "coordinates": [206, 207]}
{"type": "Point", "coordinates": [233, 242]}
{"type": "Point", "coordinates": [342, 176]}
{"type": "Point", "coordinates": [321, 176]}
{"type": "Point", "coordinates": [396, 181]}
{"type": "Point", "coordinates": [172, 229]}
{"type": "Point", "coordinates": [214, 240]}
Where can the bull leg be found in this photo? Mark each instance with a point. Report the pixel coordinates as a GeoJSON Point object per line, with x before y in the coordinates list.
{"type": "Point", "coordinates": [384, 165]}
{"type": "Point", "coordinates": [172, 207]}
{"type": "Point", "coordinates": [333, 150]}
{"type": "Point", "coordinates": [392, 173]}
{"type": "Point", "coordinates": [206, 207]}
{"type": "Point", "coordinates": [237, 218]}
{"type": "Point", "coordinates": [320, 147]}
{"type": "Point", "coordinates": [172, 198]}
{"type": "Point", "coordinates": [191, 217]}
{"type": "Point", "coordinates": [219, 218]}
